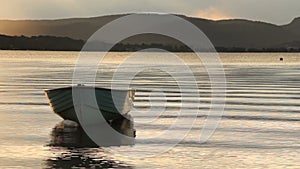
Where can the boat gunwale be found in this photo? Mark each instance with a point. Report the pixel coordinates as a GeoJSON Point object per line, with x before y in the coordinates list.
{"type": "Point", "coordinates": [91, 87]}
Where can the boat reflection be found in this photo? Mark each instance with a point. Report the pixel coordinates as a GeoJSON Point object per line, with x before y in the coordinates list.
{"type": "Point", "coordinates": [69, 134]}
{"type": "Point", "coordinates": [72, 148]}
{"type": "Point", "coordinates": [66, 158]}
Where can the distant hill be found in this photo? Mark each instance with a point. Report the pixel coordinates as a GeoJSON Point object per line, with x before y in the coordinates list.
{"type": "Point", "coordinates": [234, 33]}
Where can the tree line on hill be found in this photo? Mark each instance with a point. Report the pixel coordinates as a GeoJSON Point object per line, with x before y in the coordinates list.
{"type": "Point", "coordinates": [53, 43]}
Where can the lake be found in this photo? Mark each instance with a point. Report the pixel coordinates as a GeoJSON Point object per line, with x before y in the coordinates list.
{"type": "Point", "coordinates": [260, 127]}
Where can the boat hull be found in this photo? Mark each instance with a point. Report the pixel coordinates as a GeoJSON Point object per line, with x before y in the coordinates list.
{"type": "Point", "coordinates": [112, 104]}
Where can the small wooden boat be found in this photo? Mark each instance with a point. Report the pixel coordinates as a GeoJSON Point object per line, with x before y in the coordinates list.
{"type": "Point", "coordinates": [112, 103]}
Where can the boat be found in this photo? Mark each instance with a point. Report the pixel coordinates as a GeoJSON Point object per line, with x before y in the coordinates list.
{"type": "Point", "coordinates": [89, 101]}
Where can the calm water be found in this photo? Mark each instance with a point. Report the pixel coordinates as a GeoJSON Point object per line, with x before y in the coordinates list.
{"type": "Point", "coordinates": [260, 127]}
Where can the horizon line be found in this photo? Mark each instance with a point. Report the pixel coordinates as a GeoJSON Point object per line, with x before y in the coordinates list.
{"type": "Point", "coordinates": [158, 13]}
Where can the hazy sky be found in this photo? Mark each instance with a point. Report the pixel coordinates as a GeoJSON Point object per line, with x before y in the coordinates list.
{"type": "Point", "coordinates": [275, 11]}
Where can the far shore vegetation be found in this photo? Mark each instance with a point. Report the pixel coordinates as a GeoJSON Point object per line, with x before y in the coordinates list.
{"type": "Point", "coordinates": [53, 43]}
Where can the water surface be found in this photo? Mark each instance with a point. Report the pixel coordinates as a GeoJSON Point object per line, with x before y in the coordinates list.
{"type": "Point", "coordinates": [260, 127]}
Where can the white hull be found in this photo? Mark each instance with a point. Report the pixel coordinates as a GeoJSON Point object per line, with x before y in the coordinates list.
{"type": "Point", "coordinates": [88, 102]}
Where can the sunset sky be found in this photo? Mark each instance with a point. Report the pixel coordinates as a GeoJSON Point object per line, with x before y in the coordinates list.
{"type": "Point", "coordinates": [274, 11]}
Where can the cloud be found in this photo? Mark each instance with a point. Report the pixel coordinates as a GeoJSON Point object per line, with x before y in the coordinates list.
{"type": "Point", "coordinates": [212, 13]}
